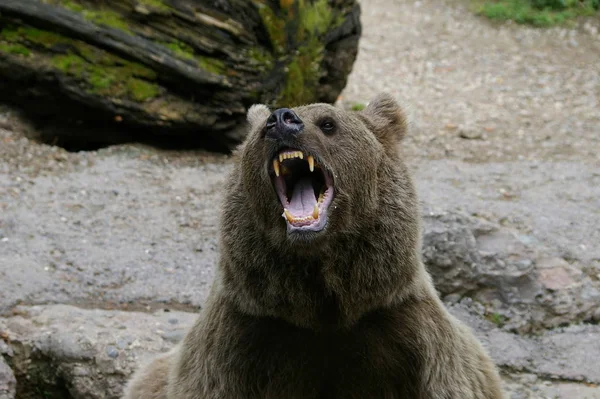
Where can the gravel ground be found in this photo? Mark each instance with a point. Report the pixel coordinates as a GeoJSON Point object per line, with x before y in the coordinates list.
{"type": "Point", "coordinates": [518, 92]}
{"type": "Point", "coordinates": [505, 125]}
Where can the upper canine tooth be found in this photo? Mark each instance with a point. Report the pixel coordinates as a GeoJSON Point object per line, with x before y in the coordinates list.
{"type": "Point", "coordinates": [276, 167]}
{"type": "Point", "coordinates": [311, 163]}
{"type": "Point", "coordinates": [288, 215]}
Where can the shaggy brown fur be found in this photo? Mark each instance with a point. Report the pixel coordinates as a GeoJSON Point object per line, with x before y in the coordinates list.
{"type": "Point", "coordinates": [347, 312]}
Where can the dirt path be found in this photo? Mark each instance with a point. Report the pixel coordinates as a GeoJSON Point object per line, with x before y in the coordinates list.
{"type": "Point", "coordinates": [135, 227]}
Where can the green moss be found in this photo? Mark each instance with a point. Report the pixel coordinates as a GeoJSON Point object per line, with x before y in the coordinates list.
{"type": "Point", "coordinates": [71, 5]}
{"type": "Point", "coordinates": [260, 56]}
{"type": "Point", "coordinates": [104, 73]}
{"type": "Point", "coordinates": [107, 18]}
{"type": "Point", "coordinates": [297, 28]}
{"type": "Point", "coordinates": [9, 34]}
{"type": "Point", "coordinates": [358, 107]}
{"type": "Point", "coordinates": [140, 71]}
{"type": "Point", "coordinates": [103, 82]}
{"type": "Point", "coordinates": [107, 75]}
{"type": "Point", "coordinates": [303, 74]}
{"type": "Point", "coordinates": [541, 13]}
{"type": "Point", "coordinates": [157, 5]}
{"type": "Point", "coordinates": [140, 90]}
{"type": "Point", "coordinates": [261, 59]}
{"type": "Point", "coordinates": [496, 318]}
{"type": "Point", "coordinates": [211, 65]}
{"type": "Point", "coordinates": [14, 49]}
{"type": "Point", "coordinates": [293, 92]}
{"type": "Point", "coordinates": [184, 51]}
{"type": "Point", "coordinates": [309, 18]}
{"type": "Point", "coordinates": [275, 26]}
{"type": "Point", "coordinates": [69, 64]}
{"type": "Point", "coordinates": [100, 16]}
{"type": "Point", "coordinates": [181, 49]}
{"type": "Point", "coordinates": [45, 38]}
{"type": "Point", "coordinates": [317, 17]}
{"type": "Point", "coordinates": [32, 35]}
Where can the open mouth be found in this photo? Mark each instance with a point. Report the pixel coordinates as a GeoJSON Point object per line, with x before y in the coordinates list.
{"type": "Point", "coordinates": [305, 190]}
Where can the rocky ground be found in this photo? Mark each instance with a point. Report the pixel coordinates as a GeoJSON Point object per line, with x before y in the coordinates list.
{"type": "Point", "coordinates": [106, 255]}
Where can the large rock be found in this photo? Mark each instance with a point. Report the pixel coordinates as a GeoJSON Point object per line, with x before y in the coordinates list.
{"type": "Point", "coordinates": [68, 352]}
{"type": "Point", "coordinates": [523, 287]}
{"type": "Point", "coordinates": [565, 353]}
{"type": "Point", "coordinates": [180, 70]}
{"type": "Point", "coordinates": [8, 382]}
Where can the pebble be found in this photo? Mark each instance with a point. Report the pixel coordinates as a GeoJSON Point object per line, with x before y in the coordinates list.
{"type": "Point", "coordinates": [112, 352]}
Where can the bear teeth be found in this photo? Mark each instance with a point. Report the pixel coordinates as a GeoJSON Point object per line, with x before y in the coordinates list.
{"type": "Point", "coordinates": [292, 219]}
{"type": "Point", "coordinates": [291, 155]}
{"type": "Point", "coordinates": [311, 163]}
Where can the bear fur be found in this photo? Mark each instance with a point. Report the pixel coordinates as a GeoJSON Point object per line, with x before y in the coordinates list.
{"type": "Point", "coordinates": [345, 312]}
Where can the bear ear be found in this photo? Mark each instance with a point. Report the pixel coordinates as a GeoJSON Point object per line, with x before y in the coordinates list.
{"type": "Point", "coordinates": [388, 119]}
{"type": "Point", "coordinates": [258, 113]}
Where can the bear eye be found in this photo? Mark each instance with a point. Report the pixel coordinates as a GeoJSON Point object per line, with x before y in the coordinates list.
{"type": "Point", "coordinates": [327, 126]}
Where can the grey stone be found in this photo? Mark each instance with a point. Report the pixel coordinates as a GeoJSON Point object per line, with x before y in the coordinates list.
{"type": "Point", "coordinates": [568, 353]}
{"type": "Point", "coordinates": [173, 336]}
{"type": "Point", "coordinates": [112, 352]}
{"type": "Point", "coordinates": [518, 279]}
{"type": "Point", "coordinates": [470, 133]}
{"type": "Point", "coordinates": [89, 349]}
{"type": "Point", "coordinates": [8, 383]}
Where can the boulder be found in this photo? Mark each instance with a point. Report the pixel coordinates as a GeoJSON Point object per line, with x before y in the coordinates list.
{"type": "Point", "coordinates": [565, 353]}
{"type": "Point", "coordinates": [522, 285]}
{"type": "Point", "coordinates": [68, 352]}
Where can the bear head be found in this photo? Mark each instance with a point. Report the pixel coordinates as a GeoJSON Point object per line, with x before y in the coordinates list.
{"type": "Point", "coordinates": [320, 205]}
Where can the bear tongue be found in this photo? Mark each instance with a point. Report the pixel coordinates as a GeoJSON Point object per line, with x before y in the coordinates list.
{"type": "Point", "coordinates": [303, 198]}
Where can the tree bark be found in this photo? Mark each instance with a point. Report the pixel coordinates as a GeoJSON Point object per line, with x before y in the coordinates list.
{"type": "Point", "coordinates": [180, 71]}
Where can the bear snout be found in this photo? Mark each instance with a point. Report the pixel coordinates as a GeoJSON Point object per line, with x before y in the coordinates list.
{"type": "Point", "coordinates": [283, 123]}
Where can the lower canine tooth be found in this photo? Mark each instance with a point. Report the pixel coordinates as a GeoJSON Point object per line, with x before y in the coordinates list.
{"type": "Point", "coordinates": [288, 215]}
{"type": "Point", "coordinates": [311, 163]}
{"type": "Point", "coordinates": [276, 167]}
{"type": "Point", "coordinates": [315, 213]}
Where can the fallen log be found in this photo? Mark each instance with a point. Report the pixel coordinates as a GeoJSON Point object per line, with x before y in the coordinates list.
{"type": "Point", "coordinates": [180, 71]}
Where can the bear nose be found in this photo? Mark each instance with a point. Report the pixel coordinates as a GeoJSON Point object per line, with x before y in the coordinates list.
{"type": "Point", "coordinates": [283, 122]}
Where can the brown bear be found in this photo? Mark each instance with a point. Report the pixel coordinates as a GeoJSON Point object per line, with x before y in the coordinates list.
{"type": "Point", "coordinates": [320, 290]}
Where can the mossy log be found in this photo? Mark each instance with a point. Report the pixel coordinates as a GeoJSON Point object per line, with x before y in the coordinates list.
{"type": "Point", "coordinates": [181, 71]}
